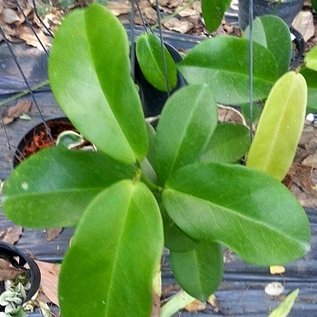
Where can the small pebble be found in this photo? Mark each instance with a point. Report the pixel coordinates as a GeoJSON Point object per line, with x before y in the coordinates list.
{"type": "Point", "coordinates": [310, 117]}
{"type": "Point", "coordinates": [274, 289]}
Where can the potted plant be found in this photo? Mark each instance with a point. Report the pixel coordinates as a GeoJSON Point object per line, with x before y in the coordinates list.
{"type": "Point", "coordinates": [22, 280]}
{"type": "Point", "coordinates": [285, 9]}
{"type": "Point", "coordinates": [177, 185]}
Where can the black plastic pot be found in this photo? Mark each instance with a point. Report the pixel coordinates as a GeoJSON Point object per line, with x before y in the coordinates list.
{"type": "Point", "coordinates": [153, 99]}
{"type": "Point", "coordinates": [285, 9]}
{"type": "Point", "coordinates": [20, 260]}
{"type": "Point", "coordinates": [37, 138]}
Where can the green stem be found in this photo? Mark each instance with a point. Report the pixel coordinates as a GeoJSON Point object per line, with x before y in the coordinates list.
{"type": "Point", "coordinates": [177, 302]}
{"type": "Point", "coordinates": [23, 93]}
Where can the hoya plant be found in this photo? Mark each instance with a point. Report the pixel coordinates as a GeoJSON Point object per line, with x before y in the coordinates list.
{"type": "Point", "coordinates": [178, 186]}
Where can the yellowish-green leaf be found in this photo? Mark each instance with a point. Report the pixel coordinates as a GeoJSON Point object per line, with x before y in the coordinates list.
{"type": "Point", "coordinates": [285, 307]}
{"type": "Point", "coordinates": [280, 126]}
{"type": "Point", "coordinates": [311, 59]}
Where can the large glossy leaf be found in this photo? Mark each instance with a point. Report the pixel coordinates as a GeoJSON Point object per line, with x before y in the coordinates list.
{"type": "Point", "coordinates": [114, 255]}
{"type": "Point", "coordinates": [160, 73]}
{"type": "Point", "coordinates": [229, 143]}
{"type": "Point", "coordinates": [222, 63]}
{"type": "Point", "coordinates": [188, 120]}
{"type": "Point", "coordinates": [311, 59]}
{"type": "Point", "coordinates": [174, 238]}
{"type": "Point", "coordinates": [89, 72]}
{"type": "Point", "coordinates": [53, 187]}
{"type": "Point", "coordinates": [311, 80]}
{"type": "Point", "coordinates": [280, 126]}
{"type": "Point", "coordinates": [213, 12]}
{"type": "Point", "coordinates": [199, 271]}
{"type": "Point", "coordinates": [247, 210]}
{"type": "Point", "coordinates": [273, 33]}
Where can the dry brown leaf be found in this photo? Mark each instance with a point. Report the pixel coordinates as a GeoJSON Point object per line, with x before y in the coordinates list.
{"type": "Point", "coordinates": [304, 24]}
{"type": "Point", "coordinates": [10, 16]}
{"type": "Point", "coordinates": [11, 234]}
{"type": "Point", "coordinates": [53, 233]}
{"type": "Point", "coordinates": [163, 3]}
{"type": "Point", "coordinates": [310, 160]}
{"type": "Point", "coordinates": [150, 14]}
{"type": "Point", "coordinates": [195, 305]}
{"type": "Point", "coordinates": [188, 12]}
{"type": "Point", "coordinates": [175, 3]}
{"type": "Point", "coordinates": [118, 8]}
{"type": "Point", "coordinates": [15, 111]}
{"type": "Point", "coordinates": [213, 301]}
{"type": "Point", "coordinates": [181, 26]}
{"type": "Point", "coordinates": [26, 34]}
{"type": "Point", "coordinates": [229, 114]}
{"type": "Point", "coordinates": [49, 280]}
{"type": "Point", "coordinates": [7, 271]}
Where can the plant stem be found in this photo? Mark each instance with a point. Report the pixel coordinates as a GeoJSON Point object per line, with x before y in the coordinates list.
{"type": "Point", "coordinates": [23, 93]}
{"type": "Point", "coordinates": [177, 302]}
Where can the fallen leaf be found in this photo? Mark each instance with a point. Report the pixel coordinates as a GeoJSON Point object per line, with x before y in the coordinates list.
{"type": "Point", "coordinates": [151, 14]}
{"type": "Point", "coordinates": [8, 272]}
{"type": "Point", "coordinates": [49, 279]}
{"type": "Point", "coordinates": [15, 111]}
{"type": "Point", "coordinates": [53, 233]}
{"type": "Point", "coordinates": [188, 12]}
{"type": "Point", "coordinates": [9, 16]}
{"type": "Point", "coordinates": [27, 35]}
{"type": "Point", "coordinates": [310, 160]}
{"type": "Point", "coordinates": [45, 310]}
{"type": "Point", "coordinates": [118, 8]}
{"type": "Point", "coordinates": [181, 26]}
{"type": "Point", "coordinates": [229, 114]}
{"type": "Point", "coordinates": [277, 269]}
{"type": "Point", "coordinates": [213, 301]}
{"type": "Point", "coordinates": [304, 24]}
{"type": "Point", "coordinates": [11, 234]}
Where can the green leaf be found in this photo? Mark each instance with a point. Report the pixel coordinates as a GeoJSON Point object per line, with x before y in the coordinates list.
{"type": "Point", "coordinates": [174, 238]}
{"type": "Point", "coordinates": [222, 63]}
{"type": "Point", "coordinates": [199, 271]}
{"type": "Point", "coordinates": [89, 72]}
{"type": "Point", "coordinates": [247, 210]}
{"type": "Point", "coordinates": [310, 59]}
{"type": "Point", "coordinates": [311, 80]}
{"type": "Point", "coordinates": [256, 112]}
{"type": "Point", "coordinates": [53, 187]}
{"type": "Point", "coordinates": [273, 33]}
{"type": "Point", "coordinates": [285, 307]}
{"type": "Point", "coordinates": [213, 12]}
{"type": "Point", "coordinates": [280, 126]}
{"type": "Point", "coordinates": [229, 143]}
{"type": "Point", "coordinates": [314, 4]}
{"type": "Point", "coordinates": [162, 75]}
{"type": "Point", "coordinates": [114, 255]}
{"type": "Point", "coordinates": [187, 122]}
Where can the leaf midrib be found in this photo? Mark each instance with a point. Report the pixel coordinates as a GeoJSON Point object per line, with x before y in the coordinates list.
{"type": "Point", "coordinates": [188, 121]}
{"type": "Point", "coordinates": [229, 73]}
{"type": "Point", "coordinates": [237, 214]}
